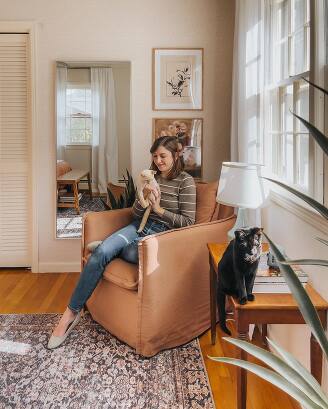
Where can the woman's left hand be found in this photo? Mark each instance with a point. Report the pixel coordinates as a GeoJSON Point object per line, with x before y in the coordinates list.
{"type": "Point", "coordinates": [154, 200]}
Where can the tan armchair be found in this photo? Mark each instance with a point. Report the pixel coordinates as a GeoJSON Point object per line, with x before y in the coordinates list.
{"type": "Point", "coordinates": [165, 301]}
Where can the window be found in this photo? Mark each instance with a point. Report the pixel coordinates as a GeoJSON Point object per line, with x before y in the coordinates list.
{"type": "Point", "coordinates": [287, 150]}
{"type": "Point", "coordinates": [78, 114]}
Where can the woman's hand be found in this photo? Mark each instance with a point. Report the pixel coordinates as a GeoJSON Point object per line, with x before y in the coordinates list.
{"type": "Point", "coordinates": [146, 191]}
{"type": "Point", "coordinates": [154, 200]}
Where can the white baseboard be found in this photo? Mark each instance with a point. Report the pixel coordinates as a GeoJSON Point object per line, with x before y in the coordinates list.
{"type": "Point", "coordinates": [69, 267]}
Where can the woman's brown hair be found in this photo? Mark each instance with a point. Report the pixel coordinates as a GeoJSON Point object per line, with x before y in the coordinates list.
{"type": "Point", "coordinates": [172, 144]}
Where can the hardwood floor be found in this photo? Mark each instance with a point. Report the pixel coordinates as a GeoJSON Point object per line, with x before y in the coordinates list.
{"type": "Point", "coordinates": [24, 292]}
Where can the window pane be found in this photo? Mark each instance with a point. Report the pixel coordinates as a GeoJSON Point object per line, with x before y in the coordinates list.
{"type": "Point", "coordinates": [287, 106]}
{"type": "Point", "coordinates": [77, 123]}
{"type": "Point", "coordinates": [302, 139]}
{"type": "Point", "coordinates": [298, 57]}
{"type": "Point", "coordinates": [288, 157]}
{"type": "Point", "coordinates": [280, 40]}
{"type": "Point", "coordinates": [302, 152]}
{"type": "Point", "coordinates": [298, 14]}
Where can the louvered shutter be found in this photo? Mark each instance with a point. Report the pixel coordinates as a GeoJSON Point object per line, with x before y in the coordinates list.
{"type": "Point", "coordinates": [15, 196]}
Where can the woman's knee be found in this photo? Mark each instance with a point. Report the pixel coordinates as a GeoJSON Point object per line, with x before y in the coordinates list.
{"type": "Point", "coordinates": [130, 253]}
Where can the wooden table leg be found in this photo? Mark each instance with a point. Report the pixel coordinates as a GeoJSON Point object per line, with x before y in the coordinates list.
{"type": "Point", "coordinates": [316, 359]}
{"type": "Point", "coordinates": [76, 198]}
{"type": "Point", "coordinates": [213, 302]}
{"type": "Point", "coordinates": [242, 330]}
{"type": "Point", "coordinates": [89, 184]}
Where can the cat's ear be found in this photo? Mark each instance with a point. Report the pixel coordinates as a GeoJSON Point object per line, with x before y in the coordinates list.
{"type": "Point", "coordinates": [240, 234]}
{"type": "Point", "coordinates": [154, 172]}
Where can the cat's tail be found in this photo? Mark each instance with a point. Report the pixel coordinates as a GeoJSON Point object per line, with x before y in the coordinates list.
{"type": "Point", "coordinates": [144, 219]}
{"type": "Point", "coordinates": [221, 299]}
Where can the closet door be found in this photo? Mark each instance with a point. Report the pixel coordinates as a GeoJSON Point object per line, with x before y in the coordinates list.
{"type": "Point", "coordinates": [15, 191]}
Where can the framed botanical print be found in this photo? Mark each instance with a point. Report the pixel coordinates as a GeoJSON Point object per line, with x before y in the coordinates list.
{"type": "Point", "coordinates": [178, 79]}
{"type": "Point", "coordinates": [189, 132]}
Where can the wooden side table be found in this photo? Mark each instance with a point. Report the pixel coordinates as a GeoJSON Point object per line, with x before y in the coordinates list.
{"type": "Point", "coordinates": [266, 309]}
{"type": "Point", "coordinates": [73, 178]}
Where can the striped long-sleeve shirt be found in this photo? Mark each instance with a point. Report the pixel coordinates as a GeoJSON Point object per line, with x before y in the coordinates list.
{"type": "Point", "coordinates": [178, 199]}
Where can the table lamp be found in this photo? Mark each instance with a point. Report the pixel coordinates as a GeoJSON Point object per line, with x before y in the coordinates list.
{"type": "Point", "coordinates": [239, 186]}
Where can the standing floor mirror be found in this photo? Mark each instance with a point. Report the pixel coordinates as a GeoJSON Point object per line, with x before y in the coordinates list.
{"type": "Point", "coordinates": [93, 138]}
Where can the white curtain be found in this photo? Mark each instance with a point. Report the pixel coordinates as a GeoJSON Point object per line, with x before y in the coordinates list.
{"type": "Point", "coordinates": [61, 82]}
{"type": "Point", "coordinates": [248, 82]}
{"type": "Point", "coordinates": [104, 141]}
{"type": "Point", "coordinates": [249, 64]}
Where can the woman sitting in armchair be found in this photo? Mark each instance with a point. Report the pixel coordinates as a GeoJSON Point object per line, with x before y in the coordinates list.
{"type": "Point", "coordinates": [174, 206]}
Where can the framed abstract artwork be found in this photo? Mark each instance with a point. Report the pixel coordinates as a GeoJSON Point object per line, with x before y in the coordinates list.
{"type": "Point", "coordinates": [189, 132]}
{"type": "Point", "coordinates": [178, 79]}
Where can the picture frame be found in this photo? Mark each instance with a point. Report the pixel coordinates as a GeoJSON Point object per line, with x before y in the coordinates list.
{"type": "Point", "coordinates": [178, 79]}
{"type": "Point", "coordinates": [189, 132]}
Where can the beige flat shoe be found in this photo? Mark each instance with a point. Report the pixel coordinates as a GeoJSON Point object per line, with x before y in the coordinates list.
{"type": "Point", "coordinates": [55, 342]}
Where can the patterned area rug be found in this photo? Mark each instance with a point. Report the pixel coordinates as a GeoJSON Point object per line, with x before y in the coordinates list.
{"type": "Point", "coordinates": [94, 370]}
{"type": "Point", "coordinates": [69, 223]}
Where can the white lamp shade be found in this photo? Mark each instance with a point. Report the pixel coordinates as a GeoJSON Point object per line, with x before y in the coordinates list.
{"type": "Point", "coordinates": [239, 186]}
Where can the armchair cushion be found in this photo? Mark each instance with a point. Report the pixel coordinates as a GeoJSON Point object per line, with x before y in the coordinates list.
{"type": "Point", "coordinates": [206, 201]}
{"type": "Point", "coordinates": [122, 273]}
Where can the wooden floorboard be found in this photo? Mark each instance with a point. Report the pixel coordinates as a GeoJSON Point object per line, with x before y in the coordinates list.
{"type": "Point", "coordinates": [24, 292]}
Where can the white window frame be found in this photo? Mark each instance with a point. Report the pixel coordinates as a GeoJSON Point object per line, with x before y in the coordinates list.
{"type": "Point", "coordinates": [275, 164]}
{"type": "Point", "coordinates": [69, 142]}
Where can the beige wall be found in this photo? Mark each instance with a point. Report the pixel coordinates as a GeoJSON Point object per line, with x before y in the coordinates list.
{"type": "Point", "coordinates": [126, 30]}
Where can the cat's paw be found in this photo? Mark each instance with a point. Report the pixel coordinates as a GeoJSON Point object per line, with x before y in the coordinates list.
{"type": "Point", "coordinates": [250, 297]}
{"type": "Point", "coordinates": [243, 301]}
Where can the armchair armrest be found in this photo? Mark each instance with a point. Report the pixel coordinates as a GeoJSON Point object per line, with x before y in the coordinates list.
{"type": "Point", "coordinates": [99, 225]}
{"type": "Point", "coordinates": [174, 286]}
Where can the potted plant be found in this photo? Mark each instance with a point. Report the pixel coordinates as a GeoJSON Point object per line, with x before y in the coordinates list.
{"type": "Point", "coordinates": [287, 373]}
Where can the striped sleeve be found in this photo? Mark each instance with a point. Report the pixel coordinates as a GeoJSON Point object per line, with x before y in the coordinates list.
{"type": "Point", "coordinates": [137, 210]}
{"type": "Point", "coordinates": [187, 205]}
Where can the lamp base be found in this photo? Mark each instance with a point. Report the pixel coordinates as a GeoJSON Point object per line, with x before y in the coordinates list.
{"type": "Point", "coordinates": [241, 222]}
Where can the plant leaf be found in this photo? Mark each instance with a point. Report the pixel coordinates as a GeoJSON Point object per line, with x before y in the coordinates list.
{"type": "Point", "coordinates": [280, 366]}
{"type": "Point", "coordinates": [112, 200]}
{"type": "Point", "coordinates": [306, 262]}
{"type": "Point", "coordinates": [323, 241]}
{"type": "Point", "coordinates": [273, 378]}
{"type": "Point", "coordinates": [316, 86]}
{"type": "Point", "coordinates": [320, 138]}
{"type": "Point", "coordinates": [304, 302]}
{"type": "Point", "coordinates": [294, 363]}
{"type": "Point", "coordinates": [313, 203]}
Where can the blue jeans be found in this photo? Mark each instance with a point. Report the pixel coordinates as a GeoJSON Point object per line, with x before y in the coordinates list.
{"type": "Point", "coordinates": [124, 244]}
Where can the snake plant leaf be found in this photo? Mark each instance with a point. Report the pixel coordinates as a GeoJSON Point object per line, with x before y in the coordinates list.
{"type": "Point", "coordinates": [299, 368]}
{"type": "Point", "coordinates": [313, 203]}
{"type": "Point", "coordinates": [112, 200]}
{"type": "Point", "coordinates": [316, 86]}
{"type": "Point", "coordinates": [280, 366]}
{"type": "Point", "coordinates": [304, 302]}
{"type": "Point", "coordinates": [306, 262]}
{"type": "Point", "coordinates": [320, 138]}
{"type": "Point", "coordinates": [273, 378]}
{"type": "Point", "coordinates": [323, 241]}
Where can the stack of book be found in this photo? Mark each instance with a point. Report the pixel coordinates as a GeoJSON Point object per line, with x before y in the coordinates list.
{"type": "Point", "coordinates": [271, 280]}
{"type": "Point", "coordinates": [68, 198]}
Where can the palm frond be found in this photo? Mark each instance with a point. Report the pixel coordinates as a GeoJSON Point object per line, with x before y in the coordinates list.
{"type": "Point", "coordinates": [306, 262]}
{"type": "Point", "coordinates": [316, 86]}
{"type": "Point", "coordinates": [304, 302]}
{"type": "Point", "coordinates": [313, 203]}
{"type": "Point", "coordinates": [273, 378]}
{"type": "Point", "coordinates": [319, 137]}
{"type": "Point", "coordinates": [281, 367]}
{"type": "Point", "coordinates": [299, 368]}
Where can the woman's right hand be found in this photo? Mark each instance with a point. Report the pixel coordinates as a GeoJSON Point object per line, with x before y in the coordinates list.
{"type": "Point", "coordinates": [147, 190]}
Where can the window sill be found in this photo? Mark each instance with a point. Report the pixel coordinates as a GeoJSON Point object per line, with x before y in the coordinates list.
{"type": "Point", "coordinates": [304, 212]}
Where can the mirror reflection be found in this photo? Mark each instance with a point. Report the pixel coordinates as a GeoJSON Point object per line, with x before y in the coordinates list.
{"type": "Point", "coordinates": [93, 138]}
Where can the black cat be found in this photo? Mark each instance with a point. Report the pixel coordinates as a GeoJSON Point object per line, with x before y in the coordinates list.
{"type": "Point", "coordinates": [237, 269]}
